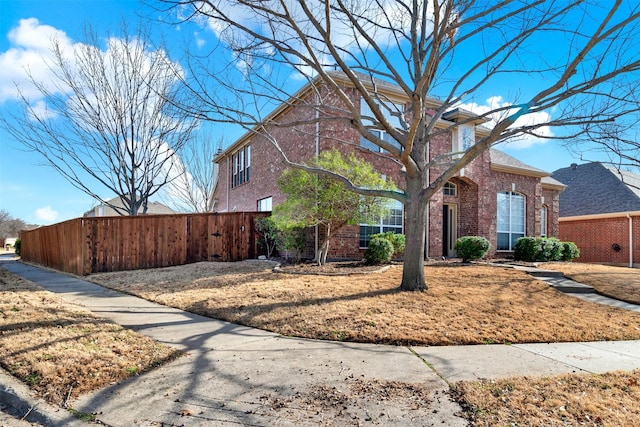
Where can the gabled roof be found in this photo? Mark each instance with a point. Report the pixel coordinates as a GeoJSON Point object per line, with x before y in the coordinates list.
{"type": "Point", "coordinates": [501, 161]}
{"type": "Point", "coordinates": [593, 188]}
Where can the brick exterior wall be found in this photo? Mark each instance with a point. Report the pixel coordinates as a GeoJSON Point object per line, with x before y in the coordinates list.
{"type": "Point", "coordinates": [477, 185]}
{"type": "Point", "coordinates": [596, 237]}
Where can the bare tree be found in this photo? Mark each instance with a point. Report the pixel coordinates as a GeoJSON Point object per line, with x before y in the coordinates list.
{"type": "Point", "coordinates": [447, 51]}
{"type": "Point", "coordinates": [616, 143]}
{"type": "Point", "coordinates": [10, 226]}
{"type": "Point", "coordinates": [192, 189]}
{"type": "Point", "coordinates": [106, 119]}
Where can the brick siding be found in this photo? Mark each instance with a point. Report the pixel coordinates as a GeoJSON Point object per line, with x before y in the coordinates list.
{"type": "Point", "coordinates": [477, 184]}
{"type": "Point", "coordinates": [596, 238]}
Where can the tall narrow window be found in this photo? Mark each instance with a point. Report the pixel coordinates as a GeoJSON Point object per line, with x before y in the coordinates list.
{"type": "Point", "coordinates": [511, 219]}
{"type": "Point", "coordinates": [543, 221]}
{"type": "Point", "coordinates": [241, 166]}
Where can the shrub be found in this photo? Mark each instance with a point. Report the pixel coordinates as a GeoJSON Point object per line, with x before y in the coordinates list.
{"type": "Point", "coordinates": [380, 251]}
{"type": "Point", "coordinates": [266, 228]}
{"type": "Point", "coordinates": [16, 246]}
{"type": "Point", "coordinates": [397, 240]}
{"type": "Point", "coordinates": [525, 249]}
{"type": "Point", "coordinates": [540, 249]}
{"type": "Point", "coordinates": [472, 247]}
{"type": "Point", "coordinates": [550, 249]}
{"type": "Point", "coordinates": [292, 241]}
{"type": "Point", "coordinates": [570, 251]}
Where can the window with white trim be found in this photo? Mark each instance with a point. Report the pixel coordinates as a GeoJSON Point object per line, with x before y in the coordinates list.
{"type": "Point", "coordinates": [365, 111]}
{"type": "Point", "coordinates": [463, 137]}
{"type": "Point", "coordinates": [241, 166]}
{"type": "Point", "coordinates": [511, 219]}
{"type": "Point", "coordinates": [543, 221]}
{"type": "Point", "coordinates": [449, 189]}
{"type": "Point", "coordinates": [265, 205]}
{"type": "Point", "coordinates": [393, 221]}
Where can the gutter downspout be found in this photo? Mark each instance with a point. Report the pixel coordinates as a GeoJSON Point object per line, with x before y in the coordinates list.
{"type": "Point", "coordinates": [228, 182]}
{"type": "Point", "coordinates": [630, 240]}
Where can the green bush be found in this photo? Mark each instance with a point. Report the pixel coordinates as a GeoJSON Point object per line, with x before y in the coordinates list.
{"type": "Point", "coordinates": [550, 249]}
{"type": "Point", "coordinates": [267, 230]}
{"type": "Point", "coordinates": [472, 247]}
{"type": "Point", "coordinates": [397, 240]}
{"type": "Point", "coordinates": [292, 241]}
{"type": "Point", "coordinates": [380, 251]}
{"type": "Point", "coordinates": [544, 249]}
{"type": "Point", "coordinates": [525, 249]}
{"type": "Point", "coordinates": [16, 246]}
{"type": "Point", "coordinates": [570, 251]}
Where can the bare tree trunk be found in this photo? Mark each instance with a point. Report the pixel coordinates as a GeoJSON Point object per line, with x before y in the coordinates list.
{"type": "Point", "coordinates": [416, 222]}
{"type": "Point", "coordinates": [324, 249]}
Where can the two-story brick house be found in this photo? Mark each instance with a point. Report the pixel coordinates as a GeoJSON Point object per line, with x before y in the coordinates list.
{"type": "Point", "coordinates": [495, 196]}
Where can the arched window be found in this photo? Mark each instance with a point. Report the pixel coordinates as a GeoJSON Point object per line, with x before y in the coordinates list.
{"type": "Point", "coordinates": [449, 189]}
{"type": "Point", "coordinates": [511, 219]}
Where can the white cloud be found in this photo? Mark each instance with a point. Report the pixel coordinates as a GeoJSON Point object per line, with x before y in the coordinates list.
{"type": "Point", "coordinates": [29, 53]}
{"type": "Point", "coordinates": [46, 215]}
{"type": "Point", "coordinates": [535, 118]}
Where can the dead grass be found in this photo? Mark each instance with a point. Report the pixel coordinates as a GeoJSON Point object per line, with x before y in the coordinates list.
{"type": "Point", "coordinates": [566, 400]}
{"type": "Point", "coordinates": [465, 304]}
{"type": "Point", "coordinates": [60, 349]}
{"type": "Point", "coordinates": [622, 283]}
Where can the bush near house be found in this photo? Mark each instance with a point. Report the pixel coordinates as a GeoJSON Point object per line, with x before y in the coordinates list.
{"type": "Point", "coordinates": [380, 251]}
{"type": "Point", "coordinates": [543, 249]}
{"type": "Point", "coordinates": [396, 239]}
{"type": "Point", "coordinates": [470, 248]}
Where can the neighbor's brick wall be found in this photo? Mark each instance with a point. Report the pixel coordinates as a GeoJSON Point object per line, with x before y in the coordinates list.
{"type": "Point", "coordinates": [595, 238]}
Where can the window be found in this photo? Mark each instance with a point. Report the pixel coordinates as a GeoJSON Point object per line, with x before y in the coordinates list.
{"type": "Point", "coordinates": [463, 138]}
{"type": "Point", "coordinates": [543, 221]}
{"type": "Point", "coordinates": [365, 111]}
{"type": "Point", "coordinates": [241, 169]}
{"type": "Point", "coordinates": [394, 222]}
{"type": "Point", "coordinates": [265, 205]}
{"type": "Point", "coordinates": [449, 189]}
{"type": "Point", "coordinates": [511, 219]}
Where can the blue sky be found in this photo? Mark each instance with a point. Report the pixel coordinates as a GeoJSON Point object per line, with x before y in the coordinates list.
{"type": "Point", "coordinates": [34, 192]}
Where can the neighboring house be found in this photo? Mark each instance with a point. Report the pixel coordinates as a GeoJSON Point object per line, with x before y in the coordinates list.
{"type": "Point", "coordinates": [495, 196]}
{"type": "Point", "coordinates": [600, 212]}
{"type": "Point", "coordinates": [9, 242]}
{"type": "Point", "coordinates": [153, 208]}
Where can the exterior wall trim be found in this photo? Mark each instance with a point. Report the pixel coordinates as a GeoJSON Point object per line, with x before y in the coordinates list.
{"type": "Point", "coordinates": [599, 216]}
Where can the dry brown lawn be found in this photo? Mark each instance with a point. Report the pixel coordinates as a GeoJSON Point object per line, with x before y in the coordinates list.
{"type": "Point", "coordinates": [465, 304]}
{"type": "Point", "coordinates": [60, 349]}
{"type": "Point", "coordinates": [566, 400]}
{"type": "Point", "coordinates": [622, 283]}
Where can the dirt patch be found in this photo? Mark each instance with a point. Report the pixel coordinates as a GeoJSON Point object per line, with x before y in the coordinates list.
{"type": "Point", "coordinates": [465, 304]}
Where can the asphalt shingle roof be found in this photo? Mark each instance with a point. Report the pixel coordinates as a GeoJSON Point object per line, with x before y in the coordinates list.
{"type": "Point", "coordinates": [592, 188]}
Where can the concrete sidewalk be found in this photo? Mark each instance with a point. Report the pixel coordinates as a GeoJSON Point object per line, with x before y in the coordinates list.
{"type": "Point", "coordinates": [234, 375]}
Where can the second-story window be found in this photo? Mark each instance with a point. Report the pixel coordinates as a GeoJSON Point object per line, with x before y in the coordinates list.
{"type": "Point", "coordinates": [366, 112]}
{"type": "Point", "coordinates": [241, 166]}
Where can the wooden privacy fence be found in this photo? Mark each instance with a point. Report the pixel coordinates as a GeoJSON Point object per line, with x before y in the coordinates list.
{"type": "Point", "coordinates": [91, 245]}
